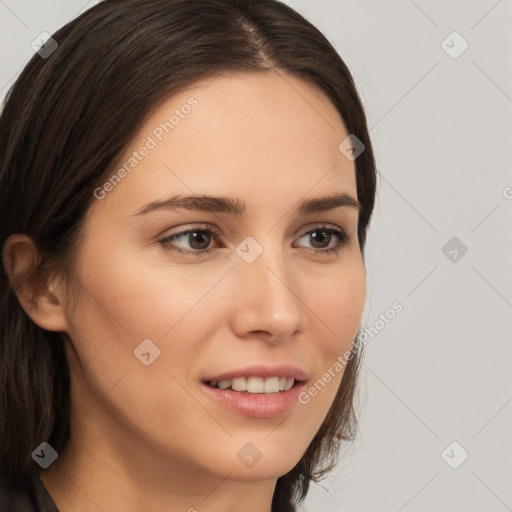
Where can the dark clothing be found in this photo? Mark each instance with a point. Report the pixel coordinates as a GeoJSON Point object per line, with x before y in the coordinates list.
{"type": "Point", "coordinates": [30, 497]}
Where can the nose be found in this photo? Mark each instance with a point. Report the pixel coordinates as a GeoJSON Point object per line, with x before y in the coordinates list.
{"type": "Point", "coordinates": [267, 300]}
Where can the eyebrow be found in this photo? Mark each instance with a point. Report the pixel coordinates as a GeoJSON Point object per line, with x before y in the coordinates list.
{"type": "Point", "coordinates": [234, 206]}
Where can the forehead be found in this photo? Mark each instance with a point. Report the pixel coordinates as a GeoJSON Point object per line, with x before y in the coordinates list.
{"type": "Point", "coordinates": [250, 135]}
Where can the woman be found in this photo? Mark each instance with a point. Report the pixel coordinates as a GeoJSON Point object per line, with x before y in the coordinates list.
{"type": "Point", "coordinates": [186, 187]}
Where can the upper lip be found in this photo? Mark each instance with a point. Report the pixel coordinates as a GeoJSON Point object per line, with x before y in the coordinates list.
{"type": "Point", "coordinates": [261, 371]}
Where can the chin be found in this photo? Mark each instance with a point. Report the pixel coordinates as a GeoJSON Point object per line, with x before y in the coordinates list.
{"type": "Point", "coordinates": [251, 464]}
{"type": "Point", "coordinates": [261, 471]}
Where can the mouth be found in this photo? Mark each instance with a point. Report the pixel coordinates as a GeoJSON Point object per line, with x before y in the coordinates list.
{"type": "Point", "coordinates": [255, 385]}
{"type": "Point", "coordinates": [257, 392]}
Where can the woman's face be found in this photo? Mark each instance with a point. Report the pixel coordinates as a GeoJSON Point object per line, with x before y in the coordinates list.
{"type": "Point", "coordinates": [152, 327]}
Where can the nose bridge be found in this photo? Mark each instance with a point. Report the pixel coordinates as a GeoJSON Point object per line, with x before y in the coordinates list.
{"type": "Point", "coordinates": [269, 299]}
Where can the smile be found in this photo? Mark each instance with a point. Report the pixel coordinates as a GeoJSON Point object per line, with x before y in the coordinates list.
{"type": "Point", "coordinates": [255, 384]}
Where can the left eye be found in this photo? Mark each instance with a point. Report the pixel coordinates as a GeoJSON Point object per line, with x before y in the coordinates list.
{"type": "Point", "coordinates": [321, 234]}
{"type": "Point", "coordinates": [199, 239]}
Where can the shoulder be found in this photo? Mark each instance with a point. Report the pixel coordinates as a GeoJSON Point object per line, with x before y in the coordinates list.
{"type": "Point", "coordinates": [28, 496]}
{"type": "Point", "coordinates": [17, 498]}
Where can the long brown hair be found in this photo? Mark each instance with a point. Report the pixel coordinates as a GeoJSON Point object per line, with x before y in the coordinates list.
{"type": "Point", "coordinates": [69, 116]}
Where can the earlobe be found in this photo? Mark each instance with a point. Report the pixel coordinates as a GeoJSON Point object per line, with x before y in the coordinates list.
{"type": "Point", "coordinates": [37, 294]}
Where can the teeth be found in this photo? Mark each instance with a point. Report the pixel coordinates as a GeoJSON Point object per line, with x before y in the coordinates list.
{"type": "Point", "coordinates": [239, 384]}
{"type": "Point", "coordinates": [288, 384]}
{"type": "Point", "coordinates": [271, 385]}
{"type": "Point", "coordinates": [256, 384]}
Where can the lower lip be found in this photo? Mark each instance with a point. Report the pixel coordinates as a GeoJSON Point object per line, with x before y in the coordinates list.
{"type": "Point", "coordinates": [256, 405]}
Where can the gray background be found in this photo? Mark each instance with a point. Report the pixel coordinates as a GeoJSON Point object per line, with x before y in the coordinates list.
{"type": "Point", "coordinates": [441, 127]}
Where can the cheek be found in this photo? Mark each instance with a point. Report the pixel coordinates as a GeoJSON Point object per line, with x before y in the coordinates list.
{"type": "Point", "coordinates": [130, 300]}
{"type": "Point", "coordinates": [340, 311]}
{"type": "Point", "coordinates": [341, 306]}
{"type": "Point", "coordinates": [124, 301]}
{"type": "Point", "coordinates": [121, 302]}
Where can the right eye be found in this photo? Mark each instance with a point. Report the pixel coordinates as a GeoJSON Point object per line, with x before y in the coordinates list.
{"type": "Point", "coordinates": [201, 235]}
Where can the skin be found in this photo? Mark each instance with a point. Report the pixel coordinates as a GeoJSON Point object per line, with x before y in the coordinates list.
{"type": "Point", "coordinates": [147, 437]}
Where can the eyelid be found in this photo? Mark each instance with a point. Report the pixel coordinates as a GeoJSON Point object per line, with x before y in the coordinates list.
{"type": "Point", "coordinates": [194, 227]}
{"type": "Point", "coordinates": [342, 234]}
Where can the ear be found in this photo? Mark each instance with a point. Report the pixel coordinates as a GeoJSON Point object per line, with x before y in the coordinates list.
{"type": "Point", "coordinates": [40, 296]}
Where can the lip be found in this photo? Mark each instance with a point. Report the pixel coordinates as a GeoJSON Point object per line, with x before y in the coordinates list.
{"type": "Point", "coordinates": [261, 371]}
{"type": "Point", "coordinates": [256, 405]}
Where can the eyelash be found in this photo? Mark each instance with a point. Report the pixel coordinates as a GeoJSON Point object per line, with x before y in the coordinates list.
{"type": "Point", "coordinates": [342, 237]}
